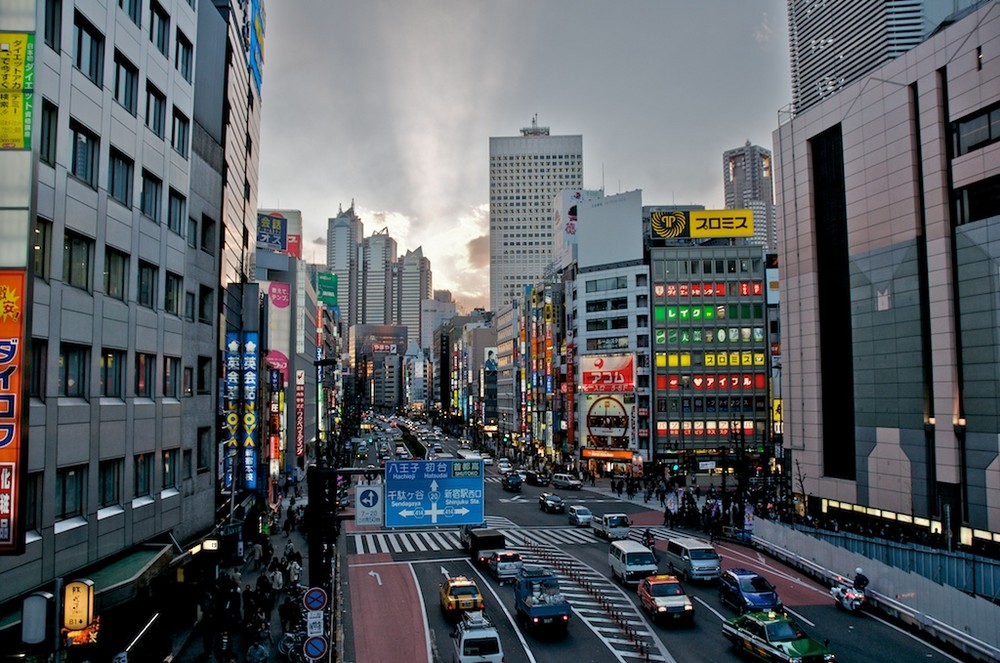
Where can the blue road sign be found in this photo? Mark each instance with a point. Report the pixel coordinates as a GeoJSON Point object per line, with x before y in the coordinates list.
{"type": "Point", "coordinates": [314, 647]}
{"type": "Point", "coordinates": [369, 498]}
{"type": "Point", "coordinates": [433, 493]}
{"type": "Point", "coordinates": [314, 598]}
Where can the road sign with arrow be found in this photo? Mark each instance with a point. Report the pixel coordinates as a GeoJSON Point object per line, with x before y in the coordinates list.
{"type": "Point", "coordinates": [436, 493]}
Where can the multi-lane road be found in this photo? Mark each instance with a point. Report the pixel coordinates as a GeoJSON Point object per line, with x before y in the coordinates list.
{"type": "Point", "coordinates": [391, 582]}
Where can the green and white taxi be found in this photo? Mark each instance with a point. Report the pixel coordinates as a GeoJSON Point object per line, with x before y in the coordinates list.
{"type": "Point", "coordinates": [775, 636]}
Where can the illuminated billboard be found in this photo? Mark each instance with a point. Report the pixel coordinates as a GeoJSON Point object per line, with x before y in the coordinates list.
{"type": "Point", "coordinates": [272, 231]}
{"type": "Point", "coordinates": [17, 82]}
{"type": "Point", "coordinates": [607, 373]}
{"type": "Point", "coordinates": [12, 303]}
{"type": "Point", "coordinates": [609, 421]}
{"type": "Point", "coordinates": [701, 224]}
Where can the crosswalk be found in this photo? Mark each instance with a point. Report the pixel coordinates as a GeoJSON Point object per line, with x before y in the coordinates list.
{"type": "Point", "coordinates": [447, 540]}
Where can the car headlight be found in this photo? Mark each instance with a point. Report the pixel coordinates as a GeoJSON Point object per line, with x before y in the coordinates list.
{"type": "Point", "coordinates": [829, 657]}
{"type": "Point", "coordinates": [688, 607]}
{"type": "Point", "coordinates": [661, 608]}
{"type": "Point", "coordinates": [797, 659]}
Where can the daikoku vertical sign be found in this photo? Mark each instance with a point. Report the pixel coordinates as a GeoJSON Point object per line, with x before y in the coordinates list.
{"type": "Point", "coordinates": [12, 303]}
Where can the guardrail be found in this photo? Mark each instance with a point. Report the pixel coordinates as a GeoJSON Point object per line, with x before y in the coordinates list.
{"type": "Point", "coordinates": [923, 622]}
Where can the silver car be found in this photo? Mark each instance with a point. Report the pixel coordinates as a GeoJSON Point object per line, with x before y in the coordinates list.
{"type": "Point", "coordinates": [579, 515]}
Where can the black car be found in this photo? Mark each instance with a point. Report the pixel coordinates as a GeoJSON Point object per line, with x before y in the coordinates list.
{"type": "Point", "coordinates": [537, 478]}
{"type": "Point", "coordinates": [512, 483]}
{"type": "Point", "coordinates": [551, 503]}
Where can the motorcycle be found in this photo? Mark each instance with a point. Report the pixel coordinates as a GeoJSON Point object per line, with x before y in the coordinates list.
{"type": "Point", "coordinates": [847, 596]}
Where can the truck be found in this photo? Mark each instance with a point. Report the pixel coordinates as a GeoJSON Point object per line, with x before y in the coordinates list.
{"type": "Point", "coordinates": [483, 542]}
{"type": "Point", "coordinates": [538, 600]}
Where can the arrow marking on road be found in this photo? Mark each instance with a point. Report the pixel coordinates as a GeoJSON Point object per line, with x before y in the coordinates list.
{"type": "Point", "coordinates": [445, 573]}
{"type": "Point", "coordinates": [376, 576]}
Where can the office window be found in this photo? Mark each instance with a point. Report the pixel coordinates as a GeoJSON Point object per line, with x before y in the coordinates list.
{"type": "Point", "coordinates": [115, 274]}
{"type": "Point", "coordinates": [74, 364]}
{"type": "Point", "coordinates": [77, 253]}
{"type": "Point", "coordinates": [205, 306]}
{"type": "Point", "coordinates": [121, 170]}
{"type": "Point", "coordinates": [189, 304]}
{"type": "Point", "coordinates": [88, 49]}
{"type": "Point", "coordinates": [33, 502]}
{"type": "Point", "coordinates": [152, 195]}
{"type": "Point", "coordinates": [172, 294]}
{"type": "Point", "coordinates": [126, 83]}
{"type": "Point", "coordinates": [187, 383]}
{"type": "Point", "coordinates": [86, 151]}
{"type": "Point", "coordinates": [171, 377]}
{"type": "Point", "coordinates": [208, 242]}
{"type": "Point", "coordinates": [48, 133]}
{"type": "Point", "coordinates": [184, 56]}
{"type": "Point", "coordinates": [146, 295]}
{"type": "Point", "coordinates": [132, 8]}
{"type": "Point", "coordinates": [143, 475]}
{"type": "Point", "coordinates": [176, 211]}
{"type": "Point", "coordinates": [159, 28]}
{"type": "Point", "coordinates": [188, 467]}
{"type": "Point", "coordinates": [192, 233]}
{"type": "Point", "coordinates": [110, 480]}
{"type": "Point", "coordinates": [113, 373]}
{"type": "Point", "coordinates": [53, 24]}
{"type": "Point", "coordinates": [41, 248]}
{"type": "Point", "coordinates": [156, 110]}
{"type": "Point", "coordinates": [70, 485]}
{"type": "Point", "coordinates": [145, 374]}
{"type": "Point", "coordinates": [170, 468]}
{"type": "Point", "coordinates": [181, 131]}
{"type": "Point", "coordinates": [204, 375]}
{"type": "Point", "coordinates": [205, 448]}
{"type": "Point", "coordinates": [39, 366]}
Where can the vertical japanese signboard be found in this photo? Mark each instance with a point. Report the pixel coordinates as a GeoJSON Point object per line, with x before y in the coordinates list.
{"type": "Point", "coordinates": [17, 82]}
{"type": "Point", "coordinates": [232, 404]}
{"type": "Point", "coordinates": [12, 303]}
{"type": "Point", "coordinates": [250, 376]}
{"type": "Point", "coordinates": [300, 413]}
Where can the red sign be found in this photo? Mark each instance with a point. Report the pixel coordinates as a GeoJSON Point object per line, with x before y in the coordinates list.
{"type": "Point", "coordinates": [12, 350]}
{"type": "Point", "coordinates": [623, 454]}
{"type": "Point", "coordinates": [607, 373]}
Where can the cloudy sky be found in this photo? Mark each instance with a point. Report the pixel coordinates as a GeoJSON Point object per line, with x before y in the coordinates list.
{"type": "Point", "coordinates": [391, 104]}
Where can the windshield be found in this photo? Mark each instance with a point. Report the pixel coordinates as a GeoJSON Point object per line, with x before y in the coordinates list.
{"type": "Point", "coordinates": [555, 498]}
{"type": "Point", "coordinates": [702, 553]}
{"type": "Point", "coordinates": [481, 647]}
{"type": "Point", "coordinates": [783, 632]}
{"type": "Point", "coordinates": [582, 511]}
{"type": "Point", "coordinates": [667, 589]}
{"type": "Point", "coordinates": [464, 591]}
{"type": "Point", "coordinates": [617, 521]}
{"type": "Point", "coordinates": [643, 558]}
{"type": "Point", "coordinates": [755, 585]}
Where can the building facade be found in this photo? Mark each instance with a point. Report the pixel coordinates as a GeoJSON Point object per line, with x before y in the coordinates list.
{"type": "Point", "coordinates": [343, 235]}
{"type": "Point", "coordinates": [748, 183]}
{"type": "Point", "coordinates": [887, 195]}
{"type": "Point", "coordinates": [526, 172]}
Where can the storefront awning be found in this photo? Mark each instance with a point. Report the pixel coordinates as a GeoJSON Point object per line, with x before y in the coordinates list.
{"type": "Point", "coordinates": [120, 580]}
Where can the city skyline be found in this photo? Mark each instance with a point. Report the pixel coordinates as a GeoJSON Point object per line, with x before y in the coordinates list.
{"type": "Point", "coordinates": [403, 131]}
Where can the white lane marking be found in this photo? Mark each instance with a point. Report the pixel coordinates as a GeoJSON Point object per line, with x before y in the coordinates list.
{"type": "Point", "coordinates": [423, 614]}
{"type": "Point", "coordinates": [510, 618]}
{"type": "Point", "coordinates": [914, 637]}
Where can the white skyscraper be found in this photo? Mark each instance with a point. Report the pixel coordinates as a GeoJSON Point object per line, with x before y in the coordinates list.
{"type": "Point", "coordinates": [747, 179]}
{"type": "Point", "coordinates": [526, 172]}
{"type": "Point", "coordinates": [377, 256]}
{"type": "Point", "coordinates": [413, 286]}
{"type": "Point", "coordinates": [343, 235]}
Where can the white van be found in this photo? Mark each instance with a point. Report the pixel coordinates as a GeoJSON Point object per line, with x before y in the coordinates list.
{"type": "Point", "coordinates": [631, 561]}
{"type": "Point", "coordinates": [692, 559]}
{"type": "Point", "coordinates": [611, 526]}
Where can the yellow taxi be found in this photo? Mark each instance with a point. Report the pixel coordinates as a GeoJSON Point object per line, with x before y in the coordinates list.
{"type": "Point", "coordinates": [664, 598]}
{"type": "Point", "coordinates": [459, 594]}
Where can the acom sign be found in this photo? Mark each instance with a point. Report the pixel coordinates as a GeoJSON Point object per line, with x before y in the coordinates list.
{"type": "Point", "coordinates": [701, 224]}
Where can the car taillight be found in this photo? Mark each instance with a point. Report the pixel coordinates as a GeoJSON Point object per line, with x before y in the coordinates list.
{"type": "Point", "coordinates": [565, 618]}
{"type": "Point", "coordinates": [482, 605]}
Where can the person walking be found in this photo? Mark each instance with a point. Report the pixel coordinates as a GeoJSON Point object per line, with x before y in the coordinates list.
{"type": "Point", "coordinates": [257, 653]}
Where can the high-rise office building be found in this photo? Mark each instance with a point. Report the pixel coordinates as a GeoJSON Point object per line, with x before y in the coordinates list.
{"type": "Point", "coordinates": [526, 172]}
{"type": "Point", "coordinates": [833, 44]}
{"type": "Point", "coordinates": [343, 235]}
{"type": "Point", "coordinates": [747, 181]}
{"type": "Point", "coordinates": [413, 287]}
{"type": "Point", "coordinates": [377, 256]}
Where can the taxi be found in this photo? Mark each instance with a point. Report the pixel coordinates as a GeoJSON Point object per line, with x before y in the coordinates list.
{"type": "Point", "coordinates": [663, 598]}
{"type": "Point", "coordinates": [775, 636]}
{"type": "Point", "coordinates": [459, 594]}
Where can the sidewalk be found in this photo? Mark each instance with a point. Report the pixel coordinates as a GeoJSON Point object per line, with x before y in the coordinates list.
{"type": "Point", "coordinates": [194, 645]}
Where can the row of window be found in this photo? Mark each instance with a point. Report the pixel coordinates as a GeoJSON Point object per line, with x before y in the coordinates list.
{"type": "Point", "coordinates": [88, 41]}
{"type": "Point", "coordinates": [683, 267]}
{"type": "Point", "coordinates": [76, 365]}
{"type": "Point", "coordinates": [975, 131]}
{"type": "Point", "coordinates": [711, 404]}
{"type": "Point", "coordinates": [78, 268]}
{"type": "Point", "coordinates": [71, 482]}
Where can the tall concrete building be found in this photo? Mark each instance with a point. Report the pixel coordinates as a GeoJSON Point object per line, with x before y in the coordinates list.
{"type": "Point", "coordinates": [377, 256]}
{"type": "Point", "coordinates": [833, 44]}
{"type": "Point", "coordinates": [433, 312]}
{"type": "Point", "coordinates": [343, 235]}
{"type": "Point", "coordinates": [413, 287]}
{"type": "Point", "coordinates": [889, 211]}
{"type": "Point", "coordinates": [526, 172]}
{"type": "Point", "coordinates": [142, 188]}
{"type": "Point", "coordinates": [748, 184]}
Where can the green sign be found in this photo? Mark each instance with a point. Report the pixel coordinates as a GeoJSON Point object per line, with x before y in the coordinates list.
{"type": "Point", "coordinates": [326, 287]}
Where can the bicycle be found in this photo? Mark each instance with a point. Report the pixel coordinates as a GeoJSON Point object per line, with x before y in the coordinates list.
{"type": "Point", "coordinates": [290, 644]}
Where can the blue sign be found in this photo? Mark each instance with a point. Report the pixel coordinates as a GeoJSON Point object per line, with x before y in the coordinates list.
{"type": "Point", "coordinates": [315, 647]}
{"type": "Point", "coordinates": [314, 599]}
{"type": "Point", "coordinates": [433, 493]}
{"type": "Point", "coordinates": [369, 498]}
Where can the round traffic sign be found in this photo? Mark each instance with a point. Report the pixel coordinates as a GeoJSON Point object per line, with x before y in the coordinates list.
{"type": "Point", "coordinates": [314, 647]}
{"type": "Point", "coordinates": [314, 598]}
{"type": "Point", "coordinates": [368, 498]}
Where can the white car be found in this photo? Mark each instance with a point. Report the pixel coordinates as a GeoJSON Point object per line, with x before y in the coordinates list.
{"type": "Point", "coordinates": [487, 459]}
{"type": "Point", "coordinates": [579, 515]}
{"type": "Point", "coordinates": [504, 466]}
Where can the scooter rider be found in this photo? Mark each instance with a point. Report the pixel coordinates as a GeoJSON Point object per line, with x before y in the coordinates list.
{"type": "Point", "coordinates": [647, 539]}
{"type": "Point", "coordinates": [860, 580]}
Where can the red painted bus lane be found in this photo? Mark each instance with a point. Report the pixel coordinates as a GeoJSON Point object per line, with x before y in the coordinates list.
{"type": "Point", "coordinates": [388, 624]}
